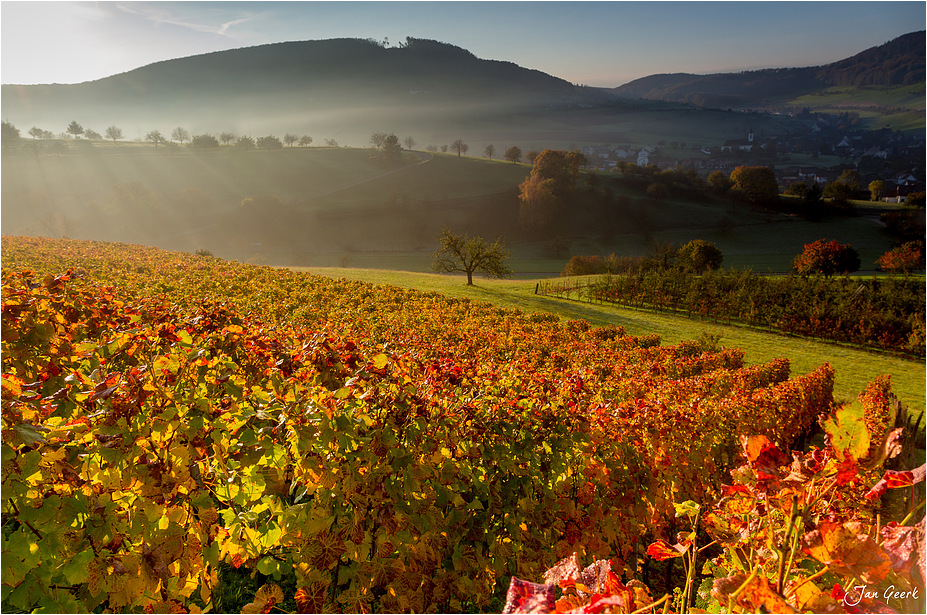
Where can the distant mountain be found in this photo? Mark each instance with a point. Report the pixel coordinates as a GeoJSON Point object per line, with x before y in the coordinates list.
{"type": "Point", "coordinates": [332, 81]}
{"type": "Point", "coordinates": [900, 62]}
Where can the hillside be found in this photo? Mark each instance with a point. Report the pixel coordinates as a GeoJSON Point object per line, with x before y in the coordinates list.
{"type": "Point", "coordinates": [339, 206]}
{"type": "Point", "coordinates": [323, 85]}
{"type": "Point", "coordinates": [900, 62]}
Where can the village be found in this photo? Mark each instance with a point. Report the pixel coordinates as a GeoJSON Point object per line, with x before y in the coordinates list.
{"type": "Point", "coordinates": [832, 144]}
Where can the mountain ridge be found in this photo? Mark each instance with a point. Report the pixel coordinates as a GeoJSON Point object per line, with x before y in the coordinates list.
{"type": "Point", "coordinates": [896, 63]}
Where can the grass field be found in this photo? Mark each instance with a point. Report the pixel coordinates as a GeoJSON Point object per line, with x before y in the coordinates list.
{"type": "Point", "coordinates": [854, 368]}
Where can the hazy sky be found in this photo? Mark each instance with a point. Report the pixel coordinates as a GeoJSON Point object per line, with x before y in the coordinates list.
{"type": "Point", "coordinates": [592, 43]}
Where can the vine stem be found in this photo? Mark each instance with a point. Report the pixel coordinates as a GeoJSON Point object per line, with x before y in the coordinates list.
{"type": "Point", "coordinates": [653, 605]}
{"type": "Point", "coordinates": [816, 575]}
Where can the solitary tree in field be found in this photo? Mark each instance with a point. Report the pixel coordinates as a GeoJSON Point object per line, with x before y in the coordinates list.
{"type": "Point", "coordinates": [513, 154]}
{"type": "Point", "coordinates": [113, 133]}
{"type": "Point", "coordinates": [460, 147]}
{"type": "Point", "coordinates": [180, 135]}
{"type": "Point", "coordinates": [290, 139]}
{"type": "Point", "coordinates": [75, 129]}
{"type": "Point", "coordinates": [490, 151]}
{"type": "Point", "coordinates": [409, 142]}
{"type": "Point", "coordinates": [461, 253]}
{"type": "Point", "coordinates": [305, 140]}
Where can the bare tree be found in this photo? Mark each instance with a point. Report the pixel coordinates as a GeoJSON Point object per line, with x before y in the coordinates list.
{"type": "Point", "coordinates": [409, 143]}
{"type": "Point", "coordinates": [113, 133]}
{"type": "Point", "coordinates": [180, 135]}
{"type": "Point", "coordinates": [490, 151]}
{"type": "Point", "coordinates": [460, 147]}
{"type": "Point", "coordinates": [155, 137]}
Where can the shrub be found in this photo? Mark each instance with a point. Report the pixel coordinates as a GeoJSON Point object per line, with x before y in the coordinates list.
{"type": "Point", "coordinates": [699, 256]}
{"type": "Point", "coordinates": [827, 258]}
{"type": "Point", "coordinates": [903, 259]}
{"type": "Point", "coordinates": [584, 265]}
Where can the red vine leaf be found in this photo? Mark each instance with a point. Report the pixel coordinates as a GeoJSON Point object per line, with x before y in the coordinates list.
{"type": "Point", "coordinates": [905, 546]}
{"type": "Point", "coordinates": [527, 597]}
{"type": "Point", "coordinates": [847, 550]}
{"type": "Point", "coordinates": [758, 593]}
{"type": "Point", "coordinates": [661, 550]}
{"type": "Point", "coordinates": [893, 480]}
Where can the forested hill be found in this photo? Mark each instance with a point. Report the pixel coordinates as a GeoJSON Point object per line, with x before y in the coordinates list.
{"type": "Point", "coordinates": [896, 63]}
{"type": "Point", "coordinates": [294, 78]}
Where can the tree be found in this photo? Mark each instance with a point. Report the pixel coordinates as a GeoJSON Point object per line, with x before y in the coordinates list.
{"type": "Point", "coordinates": [903, 259]}
{"type": "Point", "coordinates": [461, 253]}
{"type": "Point", "coordinates": [206, 141]}
{"type": "Point", "coordinates": [827, 258]}
{"type": "Point", "coordinates": [9, 135]}
{"type": "Point", "coordinates": [755, 184]}
{"type": "Point", "coordinates": [93, 135]}
{"type": "Point", "coordinates": [460, 147]}
{"type": "Point", "coordinates": [155, 137]}
{"type": "Point", "coordinates": [226, 137]}
{"type": "Point", "coordinates": [876, 189]}
{"type": "Point", "coordinates": [513, 154]}
{"type": "Point", "coordinates": [180, 135]}
{"type": "Point", "coordinates": [113, 133]}
{"type": "Point", "coordinates": [290, 139]}
{"type": "Point", "coordinates": [531, 155]}
{"type": "Point", "coordinates": [75, 129]}
{"type": "Point", "coordinates": [584, 265]}
{"type": "Point", "coordinates": [562, 167]}
{"type": "Point", "coordinates": [269, 142]}
{"type": "Point", "coordinates": [244, 142]}
{"type": "Point", "coordinates": [719, 182]}
{"type": "Point", "coordinates": [537, 203]}
{"type": "Point", "coordinates": [553, 176]}
{"type": "Point", "coordinates": [387, 146]}
{"type": "Point", "coordinates": [799, 189]}
{"type": "Point", "coordinates": [409, 143]}
{"type": "Point", "coordinates": [36, 133]}
{"type": "Point", "coordinates": [305, 140]}
{"type": "Point", "coordinates": [490, 151]}
{"type": "Point", "coordinates": [699, 256]}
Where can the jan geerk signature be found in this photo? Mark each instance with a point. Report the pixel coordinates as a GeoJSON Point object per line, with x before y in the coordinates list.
{"type": "Point", "coordinates": [860, 593]}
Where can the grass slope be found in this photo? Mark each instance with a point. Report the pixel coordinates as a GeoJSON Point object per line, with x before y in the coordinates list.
{"type": "Point", "coordinates": [854, 368]}
{"type": "Point", "coordinates": [339, 206]}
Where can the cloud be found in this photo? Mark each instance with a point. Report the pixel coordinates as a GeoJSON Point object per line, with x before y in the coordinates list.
{"type": "Point", "coordinates": [206, 20]}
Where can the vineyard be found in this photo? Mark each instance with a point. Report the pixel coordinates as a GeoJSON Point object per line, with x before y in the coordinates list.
{"type": "Point", "coordinates": [175, 423]}
{"type": "Point", "coordinates": [880, 313]}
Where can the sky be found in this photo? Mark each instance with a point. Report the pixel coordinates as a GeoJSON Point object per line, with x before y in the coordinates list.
{"type": "Point", "coordinates": [602, 44]}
